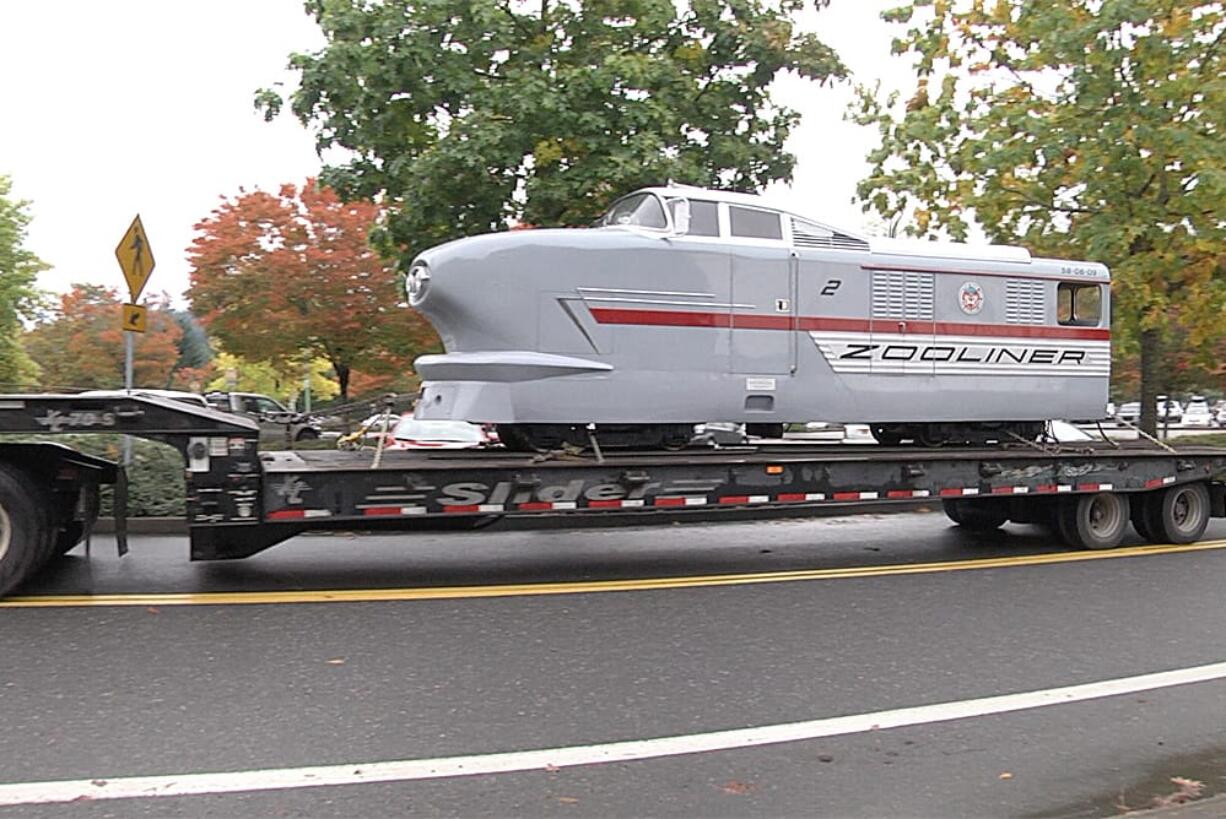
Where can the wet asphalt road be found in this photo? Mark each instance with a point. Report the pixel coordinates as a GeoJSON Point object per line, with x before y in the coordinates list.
{"type": "Point", "coordinates": [104, 692]}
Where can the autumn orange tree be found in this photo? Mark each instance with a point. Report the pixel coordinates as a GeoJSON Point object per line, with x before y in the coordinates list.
{"type": "Point", "coordinates": [290, 276]}
{"type": "Point", "coordinates": [80, 343]}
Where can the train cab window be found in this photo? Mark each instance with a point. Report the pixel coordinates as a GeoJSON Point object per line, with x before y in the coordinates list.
{"type": "Point", "coordinates": [641, 210]}
{"type": "Point", "coordinates": [1080, 304]}
{"type": "Point", "coordinates": [704, 218]}
{"type": "Point", "coordinates": [751, 223]}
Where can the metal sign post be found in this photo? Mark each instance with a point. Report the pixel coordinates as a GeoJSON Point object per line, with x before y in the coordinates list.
{"type": "Point", "coordinates": [136, 260]}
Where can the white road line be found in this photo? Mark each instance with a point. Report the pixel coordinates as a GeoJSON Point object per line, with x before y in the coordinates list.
{"type": "Point", "coordinates": [20, 793]}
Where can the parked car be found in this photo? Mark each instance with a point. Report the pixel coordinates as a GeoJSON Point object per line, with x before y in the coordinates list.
{"type": "Point", "coordinates": [1129, 411]}
{"type": "Point", "coordinates": [411, 433]}
{"type": "Point", "coordinates": [1169, 410]}
{"type": "Point", "coordinates": [719, 433]}
{"type": "Point", "coordinates": [1197, 413]}
{"type": "Point", "coordinates": [272, 416]}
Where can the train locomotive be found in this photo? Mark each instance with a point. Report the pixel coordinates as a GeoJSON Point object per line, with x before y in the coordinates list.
{"type": "Point", "coordinates": [684, 305]}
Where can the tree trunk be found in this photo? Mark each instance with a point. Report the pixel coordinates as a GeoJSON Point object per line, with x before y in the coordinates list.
{"type": "Point", "coordinates": [1151, 354]}
{"type": "Point", "coordinates": [342, 379]}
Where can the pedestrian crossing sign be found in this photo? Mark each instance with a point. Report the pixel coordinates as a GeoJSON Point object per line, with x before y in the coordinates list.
{"type": "Point", "coordinates": [135, 258]}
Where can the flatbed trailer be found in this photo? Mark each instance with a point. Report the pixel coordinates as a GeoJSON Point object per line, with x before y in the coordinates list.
{"type": "Point", "coordinates": [241, 501]}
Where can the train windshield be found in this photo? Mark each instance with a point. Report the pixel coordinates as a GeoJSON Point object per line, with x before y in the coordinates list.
{"type": "Point", "coordinates": [639, 210]}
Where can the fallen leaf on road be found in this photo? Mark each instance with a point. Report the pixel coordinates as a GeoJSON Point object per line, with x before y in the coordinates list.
{"type": "Point", "coordinates": [551, 768]}
{"type": "Point", "coordinates": [151, 609]}
{"type": "Point", "coordinates": [336, 661]}
{"type": "Point", "coordinates": [736, 788]}
{"type": "Point", "coordinates": [1006, 775]}
{"type": "Point", "coordinates": [568, 800]}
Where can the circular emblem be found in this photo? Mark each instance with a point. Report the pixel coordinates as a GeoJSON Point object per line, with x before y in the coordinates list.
{"type": "Point", "coordinates": [970, 298]}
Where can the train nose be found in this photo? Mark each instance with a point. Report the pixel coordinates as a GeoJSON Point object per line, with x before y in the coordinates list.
{"type": "Point", "coordinates": [417, 283]}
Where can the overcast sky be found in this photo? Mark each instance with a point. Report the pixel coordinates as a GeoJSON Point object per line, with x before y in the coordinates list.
{"type": "Point", "coordinates": [144, 106]}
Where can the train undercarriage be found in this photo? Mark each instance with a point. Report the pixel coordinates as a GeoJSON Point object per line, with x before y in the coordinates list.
{"type": "Point", "coordinates": [550, 437]}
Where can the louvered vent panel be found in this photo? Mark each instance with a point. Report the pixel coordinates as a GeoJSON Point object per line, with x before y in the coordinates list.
{"type": "Point", "coordinates": [808, 234]}
{"type": "Point", "coordinates": [904, 295]}
{"type": "Point", "coordinates": [1025, 302]}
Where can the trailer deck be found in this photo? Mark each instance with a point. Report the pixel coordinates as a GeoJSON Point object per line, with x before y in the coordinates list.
{"type": "Point", "coordinates": [241, 500]}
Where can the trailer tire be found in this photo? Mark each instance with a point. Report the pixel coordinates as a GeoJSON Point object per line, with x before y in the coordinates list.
{"type": "Point", "coordinates": [1178, 514]}
{"type": "Point", "coordinates": [977, 516]}
{"type": "Point", "coordinates": [1094, 521]}
{"type": "Point", "coordinates": [25, 527]}
{"type": "Point", "coordinates": [1139, 512]}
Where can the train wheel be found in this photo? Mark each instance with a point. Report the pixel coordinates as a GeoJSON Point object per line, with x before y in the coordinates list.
{"type": "Point", "coordinates": [977, 516]}
{"type": "Point", "coordinates": [887, 436]}
{"type": "Point", "coordinates": [1178, 514]}
{"type": "Point", "coordinates": [25, 527]}
{"type": "Point", "coordinates": [1093, 521]}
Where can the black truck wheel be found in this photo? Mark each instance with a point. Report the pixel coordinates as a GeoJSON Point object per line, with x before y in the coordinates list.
{"type": "Point", "coordinates": [25, 527]}
{"type": "Point", "coordinates": [1093, 521]}
{"type": "Point", "coordinates": [976, 515]}
{"type": "Point", "coordinates": [1178, 514]}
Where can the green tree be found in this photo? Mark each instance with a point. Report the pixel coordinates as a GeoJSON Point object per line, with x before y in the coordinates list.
{"type": "Point", "coordinates": [1079, 128]}
{"type": "Point", "coordinates": [18, 270]}
{"type": "Point", "coordinates": [465, 115]}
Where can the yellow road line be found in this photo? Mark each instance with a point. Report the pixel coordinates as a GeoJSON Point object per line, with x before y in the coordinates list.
{"type": "Point", "coordinates": [589, 586]}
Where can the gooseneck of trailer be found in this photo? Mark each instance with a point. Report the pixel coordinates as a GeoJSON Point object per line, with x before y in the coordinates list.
{"type": "Point", "coordinates": [241, 501]}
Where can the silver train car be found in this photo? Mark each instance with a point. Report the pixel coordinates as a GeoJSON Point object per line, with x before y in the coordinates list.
{"type": "Point", "coordinates": [684, 305]}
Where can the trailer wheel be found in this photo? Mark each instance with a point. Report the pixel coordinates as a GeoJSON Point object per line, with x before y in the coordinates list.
{"type": "Point", "coordinates": [978, 516]}
{"type": "Point", "coordinates": [1139, 512]}
{"type": "Point", "coordinates": [25, 527]}
{"type": "Point", "coordinates": [1178, 514]}
{"type": "Point", "coordinates": [1093, 521]}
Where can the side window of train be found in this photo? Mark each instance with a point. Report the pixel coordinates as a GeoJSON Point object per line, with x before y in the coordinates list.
{"type": "Point", "coordinates": [750, 223]}
{"type": "Point", "coordinates": [704, 218]}
{"type": "Point", "coordinates": [1080, 304]}
{"type": "Point", "coordinates": [643, 210]}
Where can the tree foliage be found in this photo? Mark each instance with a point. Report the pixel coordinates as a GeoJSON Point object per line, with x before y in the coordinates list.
{"type": "Point", "coordinates": [1079, 128]}
{"type": "Point", "coordinates": [19, 268]}
{"type": "Point", "coordinates": [287, 277]}
{"type": "Point", "coordinates": [80, 343]}
{"type": "Point", "coordinates": [284, 383]}
{"type": "Point", "coordinates": [467, 115]}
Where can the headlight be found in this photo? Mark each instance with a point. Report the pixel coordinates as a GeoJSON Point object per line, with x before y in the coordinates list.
{"type": "Point", "coordinates": [417, 282]}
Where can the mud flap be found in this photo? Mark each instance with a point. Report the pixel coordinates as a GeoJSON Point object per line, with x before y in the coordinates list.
{"type": "Point", "coordinates": [121, 510]}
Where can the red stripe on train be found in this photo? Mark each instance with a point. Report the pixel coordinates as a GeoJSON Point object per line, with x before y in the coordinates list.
{"type": "Point", "coordinates": [743, 321]}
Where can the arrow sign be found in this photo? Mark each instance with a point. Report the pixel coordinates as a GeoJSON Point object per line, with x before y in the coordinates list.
{"type": "Point", "coordinates": [134, 318]}
{"type": "Point", "coordinates": [135, 258]}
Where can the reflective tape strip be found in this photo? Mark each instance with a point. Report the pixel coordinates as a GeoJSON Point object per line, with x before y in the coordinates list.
{"type": "Point", "coordinates": [1010, 490]}
{"type": "Point", "coordinates": [1094, 487]}
{"type": "Point", "coordinates": [907, 493]}
{"type": "Point", "coordinates": [959, 491]}
{"type": "Point", "coordinates": [676, 500]}
{"type": "Point", "coordinates": [799, 497]}
{"type": "Point", "coordinates": [298, 514]}
{"type": "Point", "coordinates": [730, 499]}
{"type": "Point", "coordinates": [393, 511]}
{"type": "Point", "coordinates": [1156, 482]}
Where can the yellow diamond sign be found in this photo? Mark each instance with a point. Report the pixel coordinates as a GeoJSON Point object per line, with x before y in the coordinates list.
{"type": "Point", "coordinates": [135, 257]}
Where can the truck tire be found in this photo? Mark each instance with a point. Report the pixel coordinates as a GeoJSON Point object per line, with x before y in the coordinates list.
{"type": "Point", "coordinates": [1139, 512]}
{"type": "Point", "coordinates": [1093, 521]}
{"type": "Point", "coordinates": [1178, 514]}
{"type": "Point", "coordinates": [25, 527]}
{"type": "Point", "coordinates": [978, 516]}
